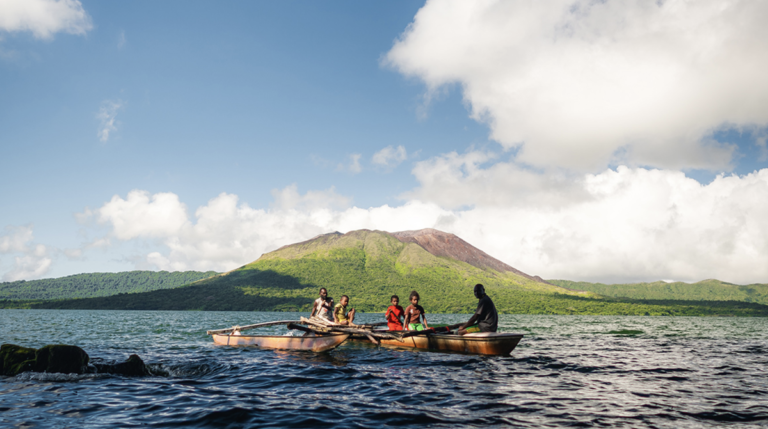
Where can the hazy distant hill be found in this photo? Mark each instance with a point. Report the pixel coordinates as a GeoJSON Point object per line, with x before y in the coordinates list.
{"type": "Point", "coordinates": [370, 266]}
{"type": "Point", "coordinates": [707, 290]}
{"type": "Point", "coordinates": [98, 284]}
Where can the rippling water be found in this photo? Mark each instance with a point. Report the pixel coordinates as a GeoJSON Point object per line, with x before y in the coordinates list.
{"type": "Point", "coordinates": [579, 371]}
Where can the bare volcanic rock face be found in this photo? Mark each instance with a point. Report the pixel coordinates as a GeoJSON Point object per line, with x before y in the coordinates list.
{"type": "Point", "coordinates": [441, 243]}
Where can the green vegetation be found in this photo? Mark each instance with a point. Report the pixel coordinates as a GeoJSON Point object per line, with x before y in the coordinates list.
{"type": "Point", "coordinates": [370, 266]}
{"type": "Point", "coordinates": [707, 290]}
{"type": "Point", "coordinates": [97, 284]}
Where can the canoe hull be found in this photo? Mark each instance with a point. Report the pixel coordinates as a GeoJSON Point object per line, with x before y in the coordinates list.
{"type": "Point", "coordinates": [314, 344]}
{"type": "Point", "coordinates": [496, 344]}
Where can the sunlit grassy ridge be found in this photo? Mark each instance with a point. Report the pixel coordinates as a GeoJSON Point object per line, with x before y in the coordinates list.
{"type": "Point", "coordinates": [369, 267]}
{"type": "Point", "coordinates": [707, 290]}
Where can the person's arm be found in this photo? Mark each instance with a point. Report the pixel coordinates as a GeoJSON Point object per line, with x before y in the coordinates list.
{"type": "Point", "coordinates": [424, 316]}
{"type": "Point", "coordinates": [406, 320]}
{"type": "Point", "coordinates": [314, 308]}
{"type": "Point", "coordinates": [471, 321]}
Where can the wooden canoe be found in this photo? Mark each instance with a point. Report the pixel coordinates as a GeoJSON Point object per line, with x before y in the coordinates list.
{"type": "Point", "coordinates": [318, 343]}
{"type": "Point", "coordinates": [481, 343]}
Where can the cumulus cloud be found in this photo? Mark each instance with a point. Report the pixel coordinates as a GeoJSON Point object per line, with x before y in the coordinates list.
{"type": "Point", "coordinates": [583, 84]}
{"type": "Point", "coordinates": [143, 215]}
{"type": "Point", "coordinates": [390, 156]}
{"type": "Point", "coordinates": [635, 224]}
{"type": "Point", "coordinates": [107, 117]}
{"type": "Point", "coordinates": [44, 18]}
{"type": "Point", "coordinates": [30, 260]}
{"type": "Point", "coordinates": [627, 224]}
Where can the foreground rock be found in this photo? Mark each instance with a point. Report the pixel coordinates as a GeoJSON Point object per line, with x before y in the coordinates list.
{"type": "Point", "coordinates": [134, 366]}
{"type": "Point", "coordinates": [62, 358]}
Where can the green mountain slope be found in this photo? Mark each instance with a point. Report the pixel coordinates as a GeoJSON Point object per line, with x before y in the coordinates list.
{"type": "Point", "coordinates": [98, 284]}
{"type": "Point", "coordinates": [707, 290]}
{"type": "Point", "coordinates": [369, 267]}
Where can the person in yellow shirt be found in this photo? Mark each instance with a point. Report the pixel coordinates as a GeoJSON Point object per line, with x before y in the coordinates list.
{"type": "Point", "coordinates": [340, 312]}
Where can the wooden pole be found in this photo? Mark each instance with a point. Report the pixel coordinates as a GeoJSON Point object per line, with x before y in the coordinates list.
{"type": "Point", "coordinates": [248, 327]}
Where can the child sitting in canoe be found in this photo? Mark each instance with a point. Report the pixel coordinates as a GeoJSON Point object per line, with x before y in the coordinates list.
{"type": "Point", "coordinates": [394, 314]}
{"type": "Point", "coordinates": [414, 314]}
{"type": "Point", "coordinates": [340, 314]}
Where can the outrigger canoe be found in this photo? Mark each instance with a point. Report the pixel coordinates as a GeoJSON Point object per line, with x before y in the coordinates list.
{"type": "Point", "coordinates": [312, 341]}
{"type": "Point", "coordinates": [309, 343]}
{"type": "Point", "coordinates": [322, 335]}
{"type": "Point", "coordinates": [485, 343]}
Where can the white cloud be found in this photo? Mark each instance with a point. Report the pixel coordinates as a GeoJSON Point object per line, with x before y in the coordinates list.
{"type": "Point", "coordinates": [107, 116]}
{"type": "Point", "coordinates": [141, 215]}
{"type": "Point", "coordinates": [353, 166]}
{"type": "Point", "coordinates": [627, 224]}
{"type": "Point", "coordinates": [390, 156]}
{"type": "Point", "coordinates": [30, 261]}
{"type": "Point", "coordinates": [44, 18]}
{"type": "Point", "coordinates": [581, 84]}
{"type": "Point", "coordinates": [624, 225]}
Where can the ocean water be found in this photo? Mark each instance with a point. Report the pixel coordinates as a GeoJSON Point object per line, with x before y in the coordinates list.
{"type": "Point", "coordinates": [568, 371]}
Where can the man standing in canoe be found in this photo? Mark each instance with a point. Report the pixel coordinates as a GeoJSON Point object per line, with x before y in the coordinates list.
{"type": "Point", "coordinates": [485, 316]}
{"type": "Point", "coordinates": [323, 306]}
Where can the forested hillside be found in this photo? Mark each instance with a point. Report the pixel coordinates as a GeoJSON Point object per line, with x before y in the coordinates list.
{"type": "Point", "coordinates": [98, 284]}
{"type": "Point", "coordinates": [707, 290]}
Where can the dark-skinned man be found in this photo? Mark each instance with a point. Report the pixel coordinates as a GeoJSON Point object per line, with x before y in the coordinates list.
{"type": "Point", "coordinates": [485, 316]}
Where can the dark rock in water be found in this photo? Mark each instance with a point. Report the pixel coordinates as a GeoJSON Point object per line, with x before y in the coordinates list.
{"type": "Point", "coordinates": [134, 366]}
{"type": "Point", "coordinates": [61, 358]}
{"type": "Point", "coordinates": [15, 359]}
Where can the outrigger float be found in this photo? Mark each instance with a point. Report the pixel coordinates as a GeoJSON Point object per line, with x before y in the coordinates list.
{"type": "Point", "coordinates": [322, 335]}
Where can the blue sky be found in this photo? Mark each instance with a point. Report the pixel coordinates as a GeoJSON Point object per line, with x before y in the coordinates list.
{"type": "Point", "coordinates": [283, 107]}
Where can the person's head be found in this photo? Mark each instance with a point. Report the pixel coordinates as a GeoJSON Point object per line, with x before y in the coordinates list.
{"type": "Point", "coordinates": [323, 292]}
{"type": "Point", "coordinates": [479, 291]}
{"type": "Point", "coordinates": [394, 300]}
{"type": "Point", "coordinates": [344, 300]}
{"type": "Point", "coordinates": [414, 298]}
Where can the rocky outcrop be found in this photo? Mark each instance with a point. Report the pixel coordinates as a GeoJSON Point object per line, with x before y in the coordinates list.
{"type": "Point", "coordinates": [15, 359]}
{"type": "Point", "coordinates": [62, 358]}
{"type": "Point", "coordinates": [134, 367]}
{"type": "Point", "coordinates": [448, 245]}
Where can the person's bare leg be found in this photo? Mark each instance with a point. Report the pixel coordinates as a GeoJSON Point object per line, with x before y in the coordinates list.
{"type": "Point", "coordinates": [351, 316]}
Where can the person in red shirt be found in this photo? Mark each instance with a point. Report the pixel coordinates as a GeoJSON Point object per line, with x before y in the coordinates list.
{"type": "Point", "coordinates": [394, 314]}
